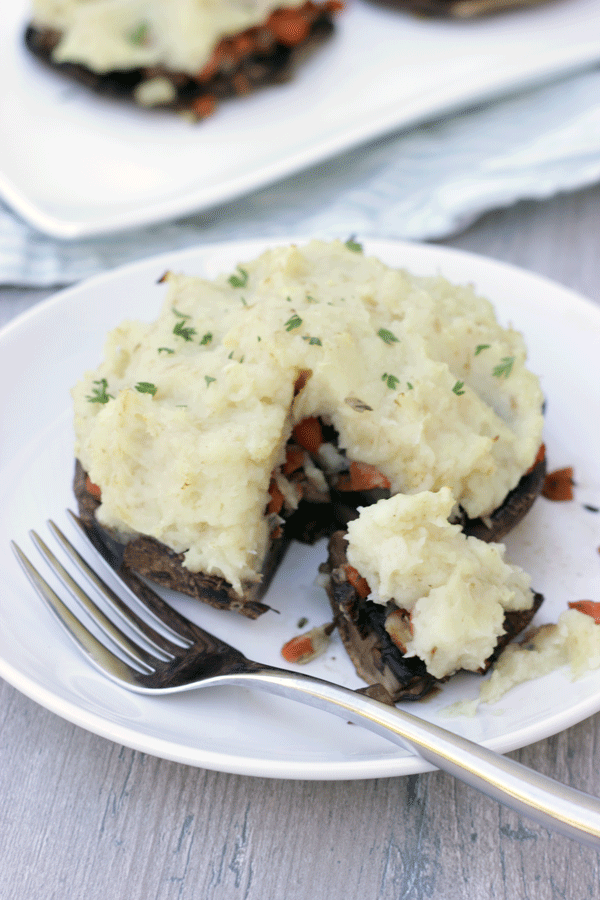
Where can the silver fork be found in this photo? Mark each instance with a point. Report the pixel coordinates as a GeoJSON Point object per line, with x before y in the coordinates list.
{"type": "Point", "coordinates": [155, 650]}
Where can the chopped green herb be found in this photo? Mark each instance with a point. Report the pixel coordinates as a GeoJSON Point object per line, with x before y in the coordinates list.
{"type": "Point", "coordinates": [387, 336]}
{"type": "Point", "coordinates": [209, 380]}
{"type": "Point", "coordinates": [230, 355]}
{"type": "Point", "coordinates": [289, 299]}
{"type": "Point", "coordinates": [302, 622]}
{"type": "Point", "coordinates": [353, 245]}
{"type": "Point", "coordinates": [311, 299]}
{"type": "Point", "coordinates": [146, 387]}
{"type": "Point", "coordinates": [294, 322]}
{"type": "Point", "coordinates": [165, 350]}
{"type": "Point", "coordinates": [140, 34]}
{"type": "Point", "coordinates": [481, 347]}
{"type": "Point", "coordinates": [239, 281]}
{"type": "Point", "coordinates": [243, 299]}
{"type": "Point", "coordinates": [180, 314]}
{"type": "Point", "coordinates": [312, 340]}
{"type": "Point", "coordinates": [458, 388]}
{"type": "Point", "coordinates": [99, 394]}
{"type": "Point", "coordinates": [409, 385]}
{"type": "Point", "coordinates": [206, 339]}
{"type": "Point", "coordinates": [391, 381]}
{"type": "Point", "coordinates": [183, 331]}
{"type": "Point", "coordinates": [505, 367]}
{"type": "Point", "coordinates": [258, 337]}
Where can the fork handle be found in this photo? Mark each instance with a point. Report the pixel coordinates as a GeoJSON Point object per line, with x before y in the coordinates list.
{"type": "Point", "coordinates": [556, 806]}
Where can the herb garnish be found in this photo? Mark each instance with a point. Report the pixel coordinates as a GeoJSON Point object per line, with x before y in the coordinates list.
{"type": "Point", "coordinates": [146, 387]}
{"type": "Point", "coordinates": [391, 381]}
{"type": "Point", "coordinates": [481, 347]}
{"type": "Point", "coordinates": [165, 350]}
{"type": "Point", "coordinates": [206, 339]}
{"type": "Point", "coordinates": [99, 394]}
{"type": "Point", "coordinates": [505, 367]}
{"type": "Point", "coordinates": [409, 385]}
{"type": "Point", "coordinates": [458, 388]}
{"type": "Point", "coordinates": [180, 314]}
{"type": "Point", "coordinates": [387, 336]}
{"type": "Point", "coordinates": [140, 34]}
{"type": "Point", "coordinates": [293, 322]}
{"type": "Point", "coordinates": [312, 340]}
{"type": "Point", "coordinates": [209, 380]}
{"type": "Point", "coordinates": [353, 245]}
{"type": "Point", "coordinates": [184, 331]}
{"type": "Point", "coordinates": [239, 281]}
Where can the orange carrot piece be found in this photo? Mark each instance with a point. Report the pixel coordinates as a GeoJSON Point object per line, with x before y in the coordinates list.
{"type": "Point", "coordinates": [204, 106]}
{"type": "Point", "coordinates": [309, 434]}
{"type": "Point", "coordinates": [305, 647]}
{"type": "Point", "coordinates": [294, 460]}
{"type": "Point", "coordinates": [359, 583]}
{"type": "Point", "coordinates": [276, 501]}
{"type": "Point", "coordinates": [588, 607]}
{"type": "Point", "coordinates": [92, 488]}
{"type": "Point", "coordinates": [541, 454]}
{"type": "Point", "coordinates": [363, 477]}
{"type": "Point", "coordinates": [558, 485]}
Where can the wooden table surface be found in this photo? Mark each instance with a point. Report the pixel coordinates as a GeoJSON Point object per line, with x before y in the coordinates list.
{"type": "Point", "coordinates": [85, 819]}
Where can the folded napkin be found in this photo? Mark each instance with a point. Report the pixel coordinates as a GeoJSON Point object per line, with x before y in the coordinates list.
{"type": "Point", "coordinates": [418, 184]}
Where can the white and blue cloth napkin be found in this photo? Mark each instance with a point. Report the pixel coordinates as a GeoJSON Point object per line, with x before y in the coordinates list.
{"type": "Point", "coordinates": [424, 183]}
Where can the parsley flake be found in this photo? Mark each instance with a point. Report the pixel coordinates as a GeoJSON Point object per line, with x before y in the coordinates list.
{"type": "Point", "coordinates": [165, 350]}
{"type": "Point", "coordinates": [458, 388]}
{"type": "Point", "coordinates": [353, 245]}
{"type": "Point", "coordinates": [312, 340]}
{"type": "Point", "coordinates": [99, 394]}
{"type": "Point", "coordinates": [239, 281]}
{"type": "Point", "coordinates": [504, 368]}
{"type": "Point", "coordinates": [146, 387]}
{"type": "Point", "coordinates": [184, 331]}
{"type": "Point", "coordinates": [481, 347]}
{"type": "Point", "coordinates": [140, 34]}
{"type": "Point", "coordinates": [409, 385]}
{"type": "Point", "coordinates": [206, 339]}
{"type": "Point", "coordinates": [208, 379]}
{"type": "Point", "coordinates": [387, 336]}
{"type": "Point", "coordinates": [180, 314]}
{"type": "Point", "coordinates": [293, 322]}
{"type": "Point", "coordinates": [391, 381]}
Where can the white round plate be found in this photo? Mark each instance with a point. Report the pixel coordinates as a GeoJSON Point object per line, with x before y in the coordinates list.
{"type": "Point", "coordinates": [46, 350]}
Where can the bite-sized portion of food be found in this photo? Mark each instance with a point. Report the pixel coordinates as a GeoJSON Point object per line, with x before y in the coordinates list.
{"type": "Point", "coordinates": [460, 9]}
{"type": "Point", "coordinates": [417, 599]}
{"type": "Point", "coordinates": [179, 54]}
{"type": "Point", "coordinates": [234, 420]}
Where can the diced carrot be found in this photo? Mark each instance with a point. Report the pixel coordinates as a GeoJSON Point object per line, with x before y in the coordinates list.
{"type": "Point", "coordinates": [558, 485]}
{"type": "Point", "coordinates": [305, 647]}
{"type": "Point", "coordinates": [588, 607]}
{"type": "Point", "coordinates": [92, 488]}
{"type": "Point", "coordinates": [359, 583]}
{"type": "Point", "coordinates": [362, 477]}
{"type": "Point", "coordinates": [294, 460]}
{"type": "Point", "coordinates": [541, 454]}
{"type": "Point", "coordinates": [289, 26]}
{"type": "Point", "coordinates": [309, 434]}
{"type": "Point", "coordinates": [276, 501]}
{"type": "Point", "coordinates": [204, 106]}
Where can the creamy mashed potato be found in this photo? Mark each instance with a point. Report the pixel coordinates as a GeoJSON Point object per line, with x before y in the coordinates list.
{"type": "Point", "coordinates": [179, 35]}
{"type": "Point", "coordinates": [186, 457]}
{"type": "Point", "coordinates": [457, 589]}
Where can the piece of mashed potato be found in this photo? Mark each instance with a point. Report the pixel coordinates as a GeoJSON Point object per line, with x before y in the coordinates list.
{"type": "Point", "coordinates": [457, 589]}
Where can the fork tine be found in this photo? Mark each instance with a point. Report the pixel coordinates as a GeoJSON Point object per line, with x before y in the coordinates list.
{"type": "Point", "coordinates": [157, 640]}
{"type": "Point", "coordinates": [164, 616]}
{"type": "Point", "coordinates": [133, 651]}
{"type": "Point", "coordinates": [96, 651]}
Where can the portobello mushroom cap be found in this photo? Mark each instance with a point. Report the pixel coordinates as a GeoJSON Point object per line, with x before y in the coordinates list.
{"type": "Point", "coordinates": [376, 658]}
{"type": "Point", "coordinates": [273, 64]}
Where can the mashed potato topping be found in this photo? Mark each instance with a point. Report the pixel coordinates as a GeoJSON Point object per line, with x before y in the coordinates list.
{"type": "Point", "coordinates": [456, 588]}
{"type": "Point", "coordinates": [184, 422]}
{"type": "Point", "coordinates": [179, 35]}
